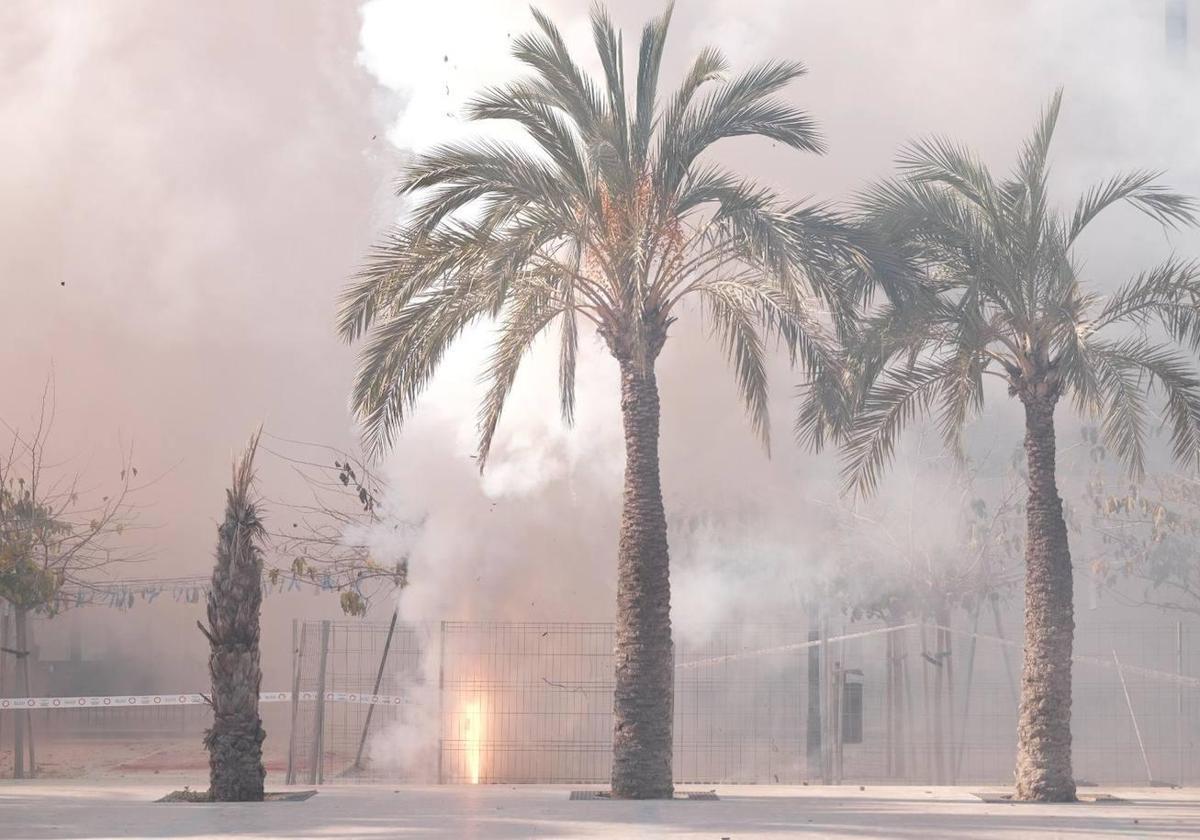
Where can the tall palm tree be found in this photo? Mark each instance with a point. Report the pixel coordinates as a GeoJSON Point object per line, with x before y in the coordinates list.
{"type": "Point", "coordinates": [235, 740]}
{"type": "Point", "coordinates": [607, 217]}
{"type": "Point", "coordinates": [997, 291]}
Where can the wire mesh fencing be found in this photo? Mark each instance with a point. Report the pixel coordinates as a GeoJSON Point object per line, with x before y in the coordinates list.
{"type": "Point", "coordinates": [490, 702]}
{"type": "Point", "coordinates": [464, 702]}
{"type": "Point", "coordinates": [334, 661]}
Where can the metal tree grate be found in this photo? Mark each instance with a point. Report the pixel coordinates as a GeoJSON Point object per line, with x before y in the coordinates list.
{"type": "Point", "coordinates": [689, 796]}
{"type": "Point", "coordinates": [1006, 798]}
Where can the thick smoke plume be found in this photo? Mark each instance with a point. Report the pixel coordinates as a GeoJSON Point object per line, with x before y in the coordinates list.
{"type": "Point", "coordinates": [538, 529]}
{"type": "Point", "coordinates": [187, 186]}
{"type": "Point", "coordinates": [752, 537]}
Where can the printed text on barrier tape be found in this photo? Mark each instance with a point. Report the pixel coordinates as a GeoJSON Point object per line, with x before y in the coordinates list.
{"type": "Point", "coordinates": [137, 700]}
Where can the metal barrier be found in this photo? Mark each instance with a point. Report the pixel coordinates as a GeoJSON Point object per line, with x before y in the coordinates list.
{"type": "Point", "coordinates": [532, 702]}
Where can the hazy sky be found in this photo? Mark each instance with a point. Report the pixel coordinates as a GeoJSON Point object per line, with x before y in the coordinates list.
{"type": "Point", "coordinates": [185, 187]}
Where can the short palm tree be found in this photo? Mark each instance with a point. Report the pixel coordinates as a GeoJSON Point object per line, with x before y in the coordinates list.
{"type": "Point", "coordinates": [998, 292]}
{"type": "Point", "coordinates": [607, 217]}
{"type": "Point", "coordinates": [235, 740]}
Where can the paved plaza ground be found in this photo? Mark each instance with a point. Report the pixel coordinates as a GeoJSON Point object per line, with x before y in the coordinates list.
{"type": "Point", "coordinates": [126, 808]}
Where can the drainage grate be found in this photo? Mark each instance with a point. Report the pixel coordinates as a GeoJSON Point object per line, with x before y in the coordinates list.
{"type": "Point", "coordinates": [201, 796]}
{"type": "Point", "coordinates": [692, 796]}
{"type": "Point", "coordinates": [589, 794]}
{"type": "Point", "coordinates": [1002, 798]}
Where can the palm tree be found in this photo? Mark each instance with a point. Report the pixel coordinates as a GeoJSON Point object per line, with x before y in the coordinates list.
{"type": "Point", "coordinates": [235, 740]}
{"type": "Point", "coordinates": [607, 217]}
{"type": "Point", "coordinates": [997, 291]}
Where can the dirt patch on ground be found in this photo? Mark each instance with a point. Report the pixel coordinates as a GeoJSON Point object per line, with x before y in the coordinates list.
{"type": "Point", "coordinates": [101, 758]}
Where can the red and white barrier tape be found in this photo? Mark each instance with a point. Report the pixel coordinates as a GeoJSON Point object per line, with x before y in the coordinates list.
{"type": "Point", "coordinates": [126, 701]}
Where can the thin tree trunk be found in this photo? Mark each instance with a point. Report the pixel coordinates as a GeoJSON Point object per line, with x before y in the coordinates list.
{"type": "Point", "coordinates": [643, 703]}
{"type": "Point", "coordinates": [19, 726]}
{"type": "Point", "coordinates": [26, 684]}
{"type": "Point", "coordinates": [4, 668]}
{"type": "Point", "coordinates": [1044, 723]}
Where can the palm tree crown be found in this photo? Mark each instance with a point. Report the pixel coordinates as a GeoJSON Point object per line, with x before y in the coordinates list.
{"type": "Point", "coordinates": [608, 216]}
{"type": "Point", "coordinates": [998, 292]}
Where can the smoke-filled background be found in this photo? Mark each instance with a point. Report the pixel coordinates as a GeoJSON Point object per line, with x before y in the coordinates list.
{"type": "Point", "coordinates": [184, 188]}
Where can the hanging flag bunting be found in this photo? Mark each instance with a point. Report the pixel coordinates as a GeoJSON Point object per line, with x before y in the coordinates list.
{"type": "Point", "coordinates": [125, 701]}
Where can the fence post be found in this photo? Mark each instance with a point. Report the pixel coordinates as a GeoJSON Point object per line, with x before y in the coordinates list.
{"type": "Point", "coordinates": [297, 656]}
{"type": "Point", "coordinates": [3, 655]}
{"type": "Point", "coordinates": [835, 721]}
{"type": "Point", "coordinates": [927, 707]}
{"type": "Point", "coordinates": [1179, 700]}
{"type": "Point", "coordinates": [939, 775]}
{"type": "Point", "coordinates": [387, 646]}
{"type": "Point", "coordinates": [908, 751]}
{"type": "Point", "coordinates": [813, 723]}
{"type": "Point", "coordinates": [889, 713]}
{"type": "Point", "coordinates": [441, 699]}
{"type": "Point", "coordinates": [1137, 731]}
{"type": "Point", "coordinates": [317, 756]}
{"type": "Point", "coordinates": [1008, 671]}
{"type": "Point", "coordinates": [966, 712]}
{"type": "Point", "coordinates": [827, 717]}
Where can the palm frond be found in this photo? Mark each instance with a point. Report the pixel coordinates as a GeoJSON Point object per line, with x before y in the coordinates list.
{"type": "Point", "coordinates": [732, 317]}
{"type": "Point", "coordinates": [612, 60]}
{"type": "Point", "coordinates": [481, 167]}
{"type": "Point", "coordinates": [1169, 293]}
{"type": "Point", "coordinates": [1138, 188]}
{"type": "Point", "coordinates": [940, 161]}
{"type": "Point", "coordinates": [564, 84]}
{"type": "Point", "coordinates": [568, 352]}
{"type": "Point", "coordinates": [1123, 411]}
{"type": "Point", "coordinates": [528, 312]}
{"type": "Point", "coordinates": [1036, 150]}
{"type": "Point", "coordinates": [714, 184]}
{"type": "Point", "coordinates": [828, 403]}
{"type": "Point", "coordinates": [961, 393]}
{"type": "Point", "coordinates": [555, 135]}
{"type": "Point", "coordinates": [650, 53]}
{"type": "Point", "coordinates": [1025, 200]}
{"type": "Point", "coordinates": [383, 282]}
{"type": "Point", "coordinates": [741, 106]}
{"type": "Point", "coordinates": [901, 395]}
{"type": "Point", "coordinates": [1128, 370]}
{"type": "Point", "coordinates": [403, 353]}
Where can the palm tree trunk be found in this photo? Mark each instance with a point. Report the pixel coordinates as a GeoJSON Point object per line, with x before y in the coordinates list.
{"type": "Point", "coordinates": [235, 740]}
{"type": "Point", "coordinates": [643, 703]}
{"type": "Point", "coordinates": [1044, 723]}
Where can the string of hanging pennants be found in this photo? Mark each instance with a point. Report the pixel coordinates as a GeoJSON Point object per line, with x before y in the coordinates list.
{"type": "Point", "coordinates": [125, 595]}
{"type": "Point", "coordinates": [124, 701]}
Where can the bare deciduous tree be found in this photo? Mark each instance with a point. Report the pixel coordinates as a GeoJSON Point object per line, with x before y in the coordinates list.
{"type": "Point", "coordinates": [55, 530]}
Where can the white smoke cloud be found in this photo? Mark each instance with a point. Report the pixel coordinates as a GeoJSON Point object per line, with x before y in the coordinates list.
{"type": "Point", "coordinates": [204, 177]}
{"type": "Point", "coordinates": [750, 536]}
